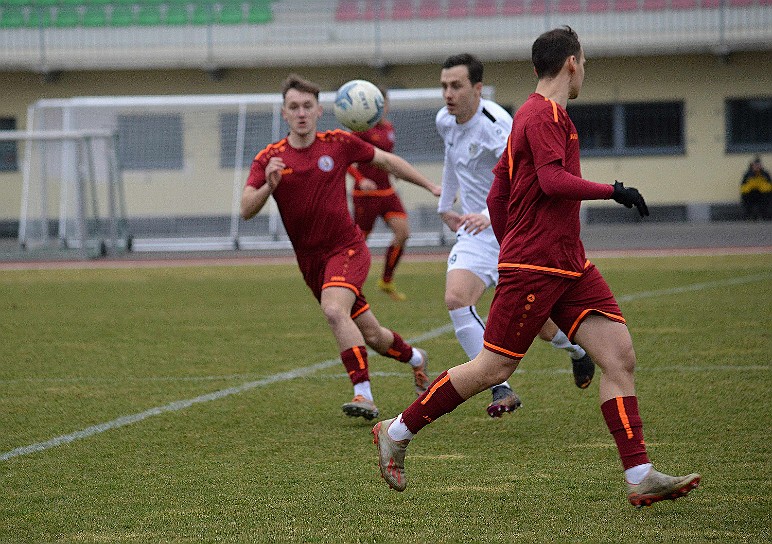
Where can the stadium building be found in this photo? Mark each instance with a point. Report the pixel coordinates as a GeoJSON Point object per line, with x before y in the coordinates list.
{"type": "Point", "coordinates": [184, 92]}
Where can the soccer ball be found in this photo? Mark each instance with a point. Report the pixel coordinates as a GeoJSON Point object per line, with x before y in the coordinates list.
{"type": "Point", "coordinates": [358, 105]}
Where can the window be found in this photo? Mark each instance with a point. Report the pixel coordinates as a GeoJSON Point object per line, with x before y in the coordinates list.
{"type": "Point", "coordinates": [150, 142]}
{"type": "Point", "coordinates": [644, 128]}
{"type": "Point", "coordinates": [595, 125]}
{"type": "Point", "coordinates": [8, 150]}
{"type": "Point", "coordinates": [258, 133]}
{"type": "Point", "coordinates": [749, 125]}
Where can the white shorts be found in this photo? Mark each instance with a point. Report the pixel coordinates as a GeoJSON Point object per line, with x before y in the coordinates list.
{"type": "Point", "coordinates": [477, 253]}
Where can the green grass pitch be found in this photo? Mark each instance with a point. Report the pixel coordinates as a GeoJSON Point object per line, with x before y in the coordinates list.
{"type": "Point", "coordinates": [231, 377]}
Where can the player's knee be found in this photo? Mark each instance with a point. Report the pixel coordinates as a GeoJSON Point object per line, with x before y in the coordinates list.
{"type": "Point", "coordinates": [334, 313]}
{"type": "Point", "coordinates": [372, 337]}
{"type": "Point", "coordinates": [453, 301]}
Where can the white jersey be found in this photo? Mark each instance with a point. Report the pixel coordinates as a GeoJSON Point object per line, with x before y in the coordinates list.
{"type": "Point", "coordinates": [472, 149]}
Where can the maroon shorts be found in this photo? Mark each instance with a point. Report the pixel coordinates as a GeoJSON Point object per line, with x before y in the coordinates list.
{"type": "Point", "coordinates": [524, 300]}
{"type": "Point", "coordinates": [369, 208]}
{"type": "Point", "coordinates": [347, 267]}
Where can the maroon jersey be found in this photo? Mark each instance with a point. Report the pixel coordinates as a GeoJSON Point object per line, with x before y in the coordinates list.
{"type": "Point", "coordinates": [382, 137]}
{"type": "Point", "coordinates": [542, 232]}
{"type": "Point", "coordinates": [312, 193]}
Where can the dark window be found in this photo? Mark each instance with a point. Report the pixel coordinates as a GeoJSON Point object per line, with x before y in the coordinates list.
{"type": "Point", "coordinates": [595, 125]}
{"type": "Point", "coordinates": [150, 142]}
{"type": "Point", "coordinates": [749, 124]}
{"type": "Point", "coordinates": [646, 128]}
{"type": "Point", "coordinates": [654, 126]}
{"type": "Point", "coordinates": [8, 150]}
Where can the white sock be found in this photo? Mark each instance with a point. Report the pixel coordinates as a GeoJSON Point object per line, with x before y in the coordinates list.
{"type": "Point", "coordinates": [561, 341]}
{"type": "Point", "coordinates": [363, 388]}
{"type": "Point", "coordinates": [637, 473]}
{"type": "Point", "coordinates": [416, 360]}
{"type": "Point", "coordinates": [469, 329]}
{"type": "Point", "coordinates": [398, 430]}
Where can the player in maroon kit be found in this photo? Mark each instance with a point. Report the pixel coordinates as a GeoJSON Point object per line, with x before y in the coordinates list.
{"type": "Point", "coordinates": [375, 197]}
{"type": "Point", "coordinates": [543, 272]}
{"type": "Point", "coordinates": [306, 174]}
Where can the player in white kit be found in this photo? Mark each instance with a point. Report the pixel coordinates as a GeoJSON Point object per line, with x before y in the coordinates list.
{"type": "Point", "coordinates": [475, 132]}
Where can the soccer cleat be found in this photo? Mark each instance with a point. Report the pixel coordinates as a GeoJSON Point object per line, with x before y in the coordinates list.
{"type": "Point", "coordinates": [584, 370]}
{"type": "Point", "coordinates": [360, 407]}
{"type": "Point", "coordinates": [390, 289]}
{"type": "Point", "coordinates": [657, 487]}
{"type": "Point", "coordinates": [391, 455]}
{"type": "Point", "coordinates": [504, 400]}
{"type": "Point", "coordinates": [422, 381]}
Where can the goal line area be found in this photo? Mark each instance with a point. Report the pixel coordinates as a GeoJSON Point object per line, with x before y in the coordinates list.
{"type": "Point", "coordinates": [180, 163]}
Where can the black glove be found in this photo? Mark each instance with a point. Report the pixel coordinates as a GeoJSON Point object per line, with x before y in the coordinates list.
{"type": "Point", "coordinates": [629, 197]}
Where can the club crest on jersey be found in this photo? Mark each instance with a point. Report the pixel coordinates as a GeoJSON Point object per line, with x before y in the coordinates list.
{"type": "Point", "coordinates": [473, 148]}
{"type": "Point", "coordinates": [325, 163]}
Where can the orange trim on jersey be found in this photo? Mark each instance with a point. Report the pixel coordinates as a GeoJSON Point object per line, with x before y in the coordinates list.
{"type": "Point", "coordinates": [374, 192]}
{"type": "Point", "coordinates": [546, 269]}
{"type": "Point", "coordinates": [361, 310]}
{"type": "Point", "coordinates": [510, 160]}
{"type": "Point", "coordinates": [360, 358]}
{"type": "Point", "coordinates": [502, 351]}
{"type": "Point", "coordinates": [584, 314]}
{"type": "Point", "coordinates": [327, 134]}
{"type": "Point", "coordinates": [356, 174]}
{"type": "Point", "coordinates": [434, 388]}
{"type": "Point", "coordinates": [623, 417]}
{"type": "Point", "coordinates": [554, 108]}
{"type": "Point", "coordinates": [280, 143]}
{"type": "Point", "coordinates": [341, 284]}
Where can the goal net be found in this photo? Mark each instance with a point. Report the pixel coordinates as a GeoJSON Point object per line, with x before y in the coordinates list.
{"type": "Point", "coordinates": [184, 160]}
{"type": "Point", "coordinates": [72, 196]}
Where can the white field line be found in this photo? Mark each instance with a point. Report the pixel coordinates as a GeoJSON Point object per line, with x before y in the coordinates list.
{"type": "Point", "coordinates": [312, 369]}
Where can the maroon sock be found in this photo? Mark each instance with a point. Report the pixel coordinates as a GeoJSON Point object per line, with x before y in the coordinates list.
{"type": "Point", "coordinates": [393, 255]}
{"type": "Point", "coordinates": [355, 361]}
{"type": "Point", "coordinates": [441, 398]}
{"type": "Point", "coordinates": [625, 425]}
{"type": "Point", "coordinates": [399, 350]}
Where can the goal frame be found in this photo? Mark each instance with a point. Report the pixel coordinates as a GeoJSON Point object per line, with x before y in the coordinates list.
{"type": "Point", "coordinates": [78, 173]}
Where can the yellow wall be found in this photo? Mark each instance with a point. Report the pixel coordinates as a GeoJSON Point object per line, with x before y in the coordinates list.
{"type": "Point", "coordinates": [705, 174]}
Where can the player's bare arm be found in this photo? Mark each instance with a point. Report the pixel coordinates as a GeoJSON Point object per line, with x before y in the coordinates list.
{"type": "Point", "coordinates": [253, 200]}
{"type": "Point", "coordinates": [404, 170]}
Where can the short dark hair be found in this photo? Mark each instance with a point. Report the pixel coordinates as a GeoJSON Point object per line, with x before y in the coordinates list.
{"type": "Point", "coordinates": [551, 49]}
{"type": "Point", "coordinates": [298, 83]}
{"type": "Point", "coordinates": [473, 65]}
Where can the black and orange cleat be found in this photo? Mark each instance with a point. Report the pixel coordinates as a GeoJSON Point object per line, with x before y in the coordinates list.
{"type": "Point", "coordinates": [584, 370]}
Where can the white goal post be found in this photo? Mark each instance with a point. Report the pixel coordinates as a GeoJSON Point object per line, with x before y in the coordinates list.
{"type": "Point", "coordinates": [71, 191]}
{"type": "Point", "coordinates": [184, 159]}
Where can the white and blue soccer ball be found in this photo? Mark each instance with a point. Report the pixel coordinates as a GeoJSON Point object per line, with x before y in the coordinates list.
{"type": "Point", "coordinates": [358, 105]}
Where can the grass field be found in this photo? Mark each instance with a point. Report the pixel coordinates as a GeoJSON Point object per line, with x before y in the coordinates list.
{"type": "Point", "coordinates": [202, 404]}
